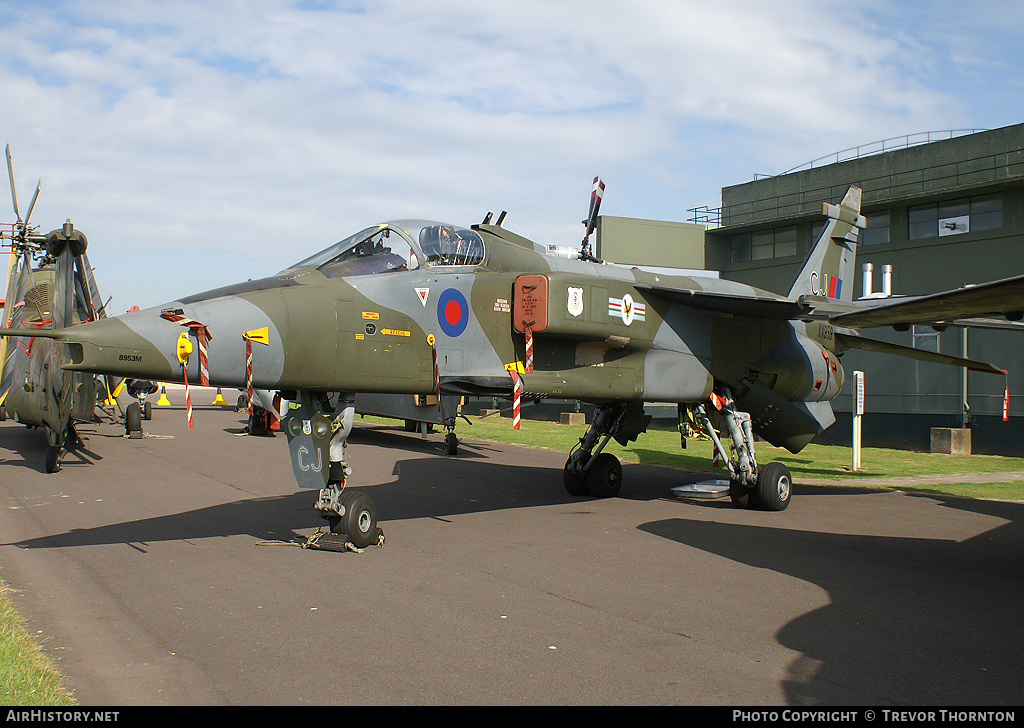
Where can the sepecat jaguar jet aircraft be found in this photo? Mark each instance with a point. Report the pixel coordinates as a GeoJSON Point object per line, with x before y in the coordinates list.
{"type": "Point", "coordinates": [427, 308]}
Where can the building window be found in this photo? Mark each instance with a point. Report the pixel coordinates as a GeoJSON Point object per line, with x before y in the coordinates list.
{"type": "Point", "coordinates": [987, 212]}
{"type": "Point", "coordinates": [739, 248]}
{"type": "Point", "coordinates": [877, 229]}
{"type": "Point", "coordinates": [785, 242]}
{"type": "Point", "coordinates": [924, 221]}
{"type": "Point", "coordinates": [956, 217]}
{"type": "Point", "coordinates": [762, 245]}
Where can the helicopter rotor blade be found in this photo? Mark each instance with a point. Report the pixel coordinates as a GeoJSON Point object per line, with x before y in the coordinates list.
{"type": "Point", "coordinates": [590, 224]}
{"type": "Point", "coordinates": [595, 206]}
{"type": "Point", "coordinates": [89, 290]}
{"type": "Point", "coordinates": [10, 174]}
{"type": "Point", "coordinates": [32, 204]}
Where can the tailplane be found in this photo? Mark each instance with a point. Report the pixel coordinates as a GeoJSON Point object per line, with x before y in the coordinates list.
{"type": "Point", "coordinates": [829, 269]}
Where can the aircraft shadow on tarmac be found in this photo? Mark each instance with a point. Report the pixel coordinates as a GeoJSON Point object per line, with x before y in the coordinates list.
{"type": "Point", "coordinates": [424, 487]}
{"type": "Point", "coordinates": [30, 445]}
{"type": "Point", "coordinates": [912, 621]}
{"type": "Point", "coordinates": [420, 487]}
{"type": "Point", "coordinates": [393, 438]}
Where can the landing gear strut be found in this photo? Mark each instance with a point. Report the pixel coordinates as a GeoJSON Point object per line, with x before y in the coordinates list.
{"type": "Point", "coordinates": [317, 431]}
{"type": "Point", "coordinates": [749, 485]}
{"type": "Point", "coordinates": [589, 471]}
{"type": "Point", "coordinates": [59, 446]}
{"type": "Point", "coordinates": [449, 406]}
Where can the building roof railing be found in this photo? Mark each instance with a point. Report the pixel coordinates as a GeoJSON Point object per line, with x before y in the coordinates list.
{"type": "Point", "coordinates": [931, 179]}
{"type": "Point", "coordinates": [879, 147]}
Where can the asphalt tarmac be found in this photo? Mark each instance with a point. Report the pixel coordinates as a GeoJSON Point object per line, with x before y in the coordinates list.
{"type": "Point", "coordinates": [165, 571]}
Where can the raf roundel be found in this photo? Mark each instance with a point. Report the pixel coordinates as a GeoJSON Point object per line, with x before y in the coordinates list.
{"type": "Point", "coordinates": [452, 312]}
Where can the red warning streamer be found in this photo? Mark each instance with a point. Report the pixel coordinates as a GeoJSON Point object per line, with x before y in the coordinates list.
{"type": "Point", "coordinates": [202, 336]}
{"type": "Point", "coordinates": [517, 398]}
{"type": "Point", "coordinates": [529, 349]}
{"type": "Point", "coordinates": [1006, 398]}
{"type": "Point", "coordinates": [188, 399]}
{"type": "Point", "coordinates": [248, 369]}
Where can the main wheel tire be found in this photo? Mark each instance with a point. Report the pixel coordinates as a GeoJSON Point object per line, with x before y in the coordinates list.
{"type": "Point", "coordinates": [53, 457]}
{"type": "Point", "coordinates": [258, 421]}
{"type": "Point", "coordinates": [774, 487]}
{"type": "Point", "coordinates": [575, 483]}
{"type": "Point", "coordinates": [359, 521]}
{"type": "Point", "coordinates": [133, 419]}
{"type": "Point", "coordinates": [605, 476]}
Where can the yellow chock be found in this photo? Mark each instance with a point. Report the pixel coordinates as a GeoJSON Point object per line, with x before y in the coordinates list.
{"type": "Point", "coordinates": [220, 399]}
{"type": "Point", "coordinates": [163, 401]}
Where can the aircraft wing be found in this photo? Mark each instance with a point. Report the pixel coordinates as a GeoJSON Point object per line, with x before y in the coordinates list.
{"type": "Point", "coordinates": [1004, 297]}
{"type": "Point", "coordinates": [760, 306]}
{"type": "Point", "coordinates": [852, 341]}
{"type": "Point", "coordinates": [972, 306]}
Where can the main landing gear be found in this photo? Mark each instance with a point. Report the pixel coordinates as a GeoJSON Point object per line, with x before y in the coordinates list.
{"type": "Point", "coordinates": [589, 471]}
{"type": "Point", "coordinates": [750, 486]}
{"type": "Point", "coordinates": [59, 446]}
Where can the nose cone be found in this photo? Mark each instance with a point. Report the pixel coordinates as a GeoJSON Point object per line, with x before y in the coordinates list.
{"type": "Point", "coordinates": [144, 344]}
{"type": "Point", "coordinates": [113, 346]}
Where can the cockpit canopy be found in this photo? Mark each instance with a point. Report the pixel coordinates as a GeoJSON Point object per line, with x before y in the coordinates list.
{"type": "Point", "coordinates": [397, 246]}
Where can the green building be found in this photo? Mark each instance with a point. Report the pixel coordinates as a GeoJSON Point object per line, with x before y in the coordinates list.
{"type": "Point", "coordinates": [944, 210]}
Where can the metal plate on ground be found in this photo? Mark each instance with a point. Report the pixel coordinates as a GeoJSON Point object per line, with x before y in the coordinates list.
{"type": "Point", "coordinates": [704, 489]}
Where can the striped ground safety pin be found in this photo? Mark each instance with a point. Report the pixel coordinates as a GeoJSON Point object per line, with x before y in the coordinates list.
{"type": "Point", "coordinates": [529, 348]}
{"type": "Point", "coordinates": [261, 336]}
{"type": "Point", "coordinates": [184, 352]}
{"type": "Point", "coordinates": [517, 398]}
{"type": "Point", "coordinates": [188, 399]}
{"type": "Point", "coordinates": [203, 337]}
{"type": "Point", "coordinates": [1006, 398]}
{"type": "Point", "coordinates": [248, 370]}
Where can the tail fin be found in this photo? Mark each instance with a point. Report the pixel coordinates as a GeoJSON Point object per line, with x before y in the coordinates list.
{"type": "Point", "coordinates": [830, 266]}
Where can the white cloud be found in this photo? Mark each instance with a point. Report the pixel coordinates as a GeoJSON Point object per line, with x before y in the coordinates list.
{"type": "Point", "coordinates": [225, 140]}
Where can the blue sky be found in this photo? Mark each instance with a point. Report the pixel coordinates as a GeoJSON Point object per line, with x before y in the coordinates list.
{"type": "Point", "coordinates": [202, 143]}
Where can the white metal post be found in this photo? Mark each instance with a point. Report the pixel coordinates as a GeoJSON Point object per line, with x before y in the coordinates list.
{"type": "Point", "coordinates": [858, 414]}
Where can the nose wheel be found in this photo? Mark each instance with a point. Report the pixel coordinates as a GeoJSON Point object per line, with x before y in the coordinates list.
{"type": "Point", "coordinates": [351, 514]}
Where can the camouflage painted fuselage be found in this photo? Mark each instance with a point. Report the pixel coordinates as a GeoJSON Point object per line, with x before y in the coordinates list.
{"type": "Point", "coordinates": [423, 320]}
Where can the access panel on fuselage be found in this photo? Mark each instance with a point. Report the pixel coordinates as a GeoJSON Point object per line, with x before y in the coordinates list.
{"type": "Point", "coordinates": [530, 303]}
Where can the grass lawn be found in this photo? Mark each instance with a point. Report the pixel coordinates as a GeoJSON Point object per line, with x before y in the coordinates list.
{"type": "Point", "coordinates": [26, 675]}
{"type": "Point", "coordinates": [815, 463]}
